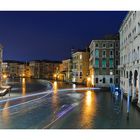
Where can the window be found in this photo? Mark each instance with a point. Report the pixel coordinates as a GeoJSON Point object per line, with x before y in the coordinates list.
{"type": "Point", "coordinates": [111, 44]}
{"type": "Point", "coordinates": [111, 63]}
{"type": "Point", "coordinates": [103, 45]}
{"type": "Point", "coordinates": [104, 63]}
{"type": "Point", "coordinates": [117, 72]}
{"type": "Point", "coordinates": [96, 53]}
{"type": "Point", "coordinates": [80, 75]}
{"type": "Point", "coordinates": [111, 53]}
{"type": "Point", "coordinates": [117, 53]}
{"type": "Point", "coordinates": [96, 44]}
{"type": "Point", "coordinates": [116, 62]}
{"type": "Point", "coordinates": [117, 81]}
{"type": "Point", "coordinates": [103, 80]}
{"type": "Point", "coordinates": [104, 53]}
{"type": "Point", "coordinates": [111, 80]}
{"type": "Point", "coordinates": [96, 63]}
{"type": "Point", "coordinates": [97, 80]}
{"type": "Point", "coordinates": [80, 56]}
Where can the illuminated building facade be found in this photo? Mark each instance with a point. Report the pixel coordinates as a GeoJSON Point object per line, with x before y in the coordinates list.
{"type": "Point", "coordinates": [104, 61]}
{"type": "Point", "coordinates": [44, 68]}
{"type": "Point", "coordinates": [80, 66]}
{"type": "Point", "coordinates": [11, 68]}
{"type": "Point", "coordinates": [130, 55]}
{"type": "Point", "coordinates": [67, 70]}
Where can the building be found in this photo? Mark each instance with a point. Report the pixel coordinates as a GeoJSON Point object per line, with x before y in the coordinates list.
{"type": "Point", "coordinates": [80, 66]}
{"type": "Point", "coordinates": [104, 60]}
{"type": "Point", "coordinates": [25, 70]}
{"type": "Point", "coordinates": [35, 68]}
{"type": "Point", "coordinates": [130, 55]}
{"type": "Point", "coordinates": [1, 55]}
{"type": "Point", "coordinates": [44, 69]}
{"type": "Point", "coordinates": [49, 69]}
{"type": "Point", "coordinates": [11, 68]}
{"type": "Point", "coordinates": [67, 70]}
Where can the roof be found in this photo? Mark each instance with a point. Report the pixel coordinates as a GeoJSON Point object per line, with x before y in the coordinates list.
{"type": "Point", "coordinates": [13, 61]}
{"type": "Point", "coordinates": [125, 20]}
{"type": "Point", "coordinates": [46, 61]}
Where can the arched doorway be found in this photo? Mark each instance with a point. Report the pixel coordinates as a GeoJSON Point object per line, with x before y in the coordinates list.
{"type": "Point", "coordinates": [136, 84]}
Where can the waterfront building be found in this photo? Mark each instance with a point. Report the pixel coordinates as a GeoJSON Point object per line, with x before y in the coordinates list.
{"type": "Point", "coordinates": [67, 70]}
{"type": "Point", "coordinates": [35, 68]}
{"type": "Point", "coordinates": [1, 55]}
{"type": "Point", "coordinates": [80, 66]}
{"type": "Point", "coordinates": [11, 68]}
{"type": "Point", "coordinates": [49, 69]}
{"type": "Point", "coordinates": [44, 68]}
{"type": "Point", "coordinates": [130, 55]}
{"type": "Point", "coordinates": [104, 60]}
{"type": "Point", "coordinates": [5, 70]}
{"type": "Point", "coordinates": [25, 70]}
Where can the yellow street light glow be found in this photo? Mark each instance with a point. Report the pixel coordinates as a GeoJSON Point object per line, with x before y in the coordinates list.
{"type": "Point", "coordinates": [4, 76]}
{"type": "Point", "coordinates": [55, 75]}
{"type": "Point", "coordinates": [88, 79]}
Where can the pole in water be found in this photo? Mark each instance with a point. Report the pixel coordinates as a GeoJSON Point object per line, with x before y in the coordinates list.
{"type": "Point", "coordinates": [128, 103]}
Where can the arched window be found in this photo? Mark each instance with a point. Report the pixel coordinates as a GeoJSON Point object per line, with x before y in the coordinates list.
{"type": "Point", "coordinates": [111, 80]}
{"type": "Point", "coordinates": [103, 80]}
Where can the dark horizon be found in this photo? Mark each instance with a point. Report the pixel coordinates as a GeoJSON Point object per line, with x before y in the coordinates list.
{"type": "Point", "coordinates": [52, 34]}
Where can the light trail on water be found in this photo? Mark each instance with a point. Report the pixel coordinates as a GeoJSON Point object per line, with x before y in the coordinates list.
{"type": "Point", "coordinates": [40, 93]}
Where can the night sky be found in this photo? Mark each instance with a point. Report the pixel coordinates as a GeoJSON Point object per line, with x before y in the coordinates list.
{"type": "Point", "coordinates": [51, 35]}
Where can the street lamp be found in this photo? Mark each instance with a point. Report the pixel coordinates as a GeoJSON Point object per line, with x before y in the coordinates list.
{"type": "Point", "coordinates": [4, 76]}
{"type": "Point", "coordinates": [55, 76]}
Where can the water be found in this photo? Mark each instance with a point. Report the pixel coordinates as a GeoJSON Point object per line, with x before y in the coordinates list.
{"type": "Point", "coordinates": [69, 109]}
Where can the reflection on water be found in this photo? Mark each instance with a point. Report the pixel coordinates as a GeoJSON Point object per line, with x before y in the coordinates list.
{"type": "Point", "coordinates": [6, 113]}
{"type": "Point", "coordinates": [23, 86]}
{"type": "Point", "coordinates": [88, 110]}
{"type": "Point", "coordinates": [73, 86]}
{"type": "Point", "coordinates": [55, 96]}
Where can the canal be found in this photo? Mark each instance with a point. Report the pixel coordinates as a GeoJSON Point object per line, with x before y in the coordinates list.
{"type": "Point", "coordinates": [65, 109]}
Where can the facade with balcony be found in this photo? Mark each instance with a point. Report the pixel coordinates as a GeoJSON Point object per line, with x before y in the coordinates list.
{"type": "Point", "coordinates": [104, 59]}
{"type": "Point", "coordinates": [130, 55]}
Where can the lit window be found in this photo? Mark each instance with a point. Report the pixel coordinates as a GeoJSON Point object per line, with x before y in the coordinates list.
{"type": "Point", "coordinates": [80, 56]}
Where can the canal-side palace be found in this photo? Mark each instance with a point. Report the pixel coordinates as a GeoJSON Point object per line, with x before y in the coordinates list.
{"type": "Point", "coordinates": [130, 55]}
{"type": "Point", "coordinates": [112, 59]}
